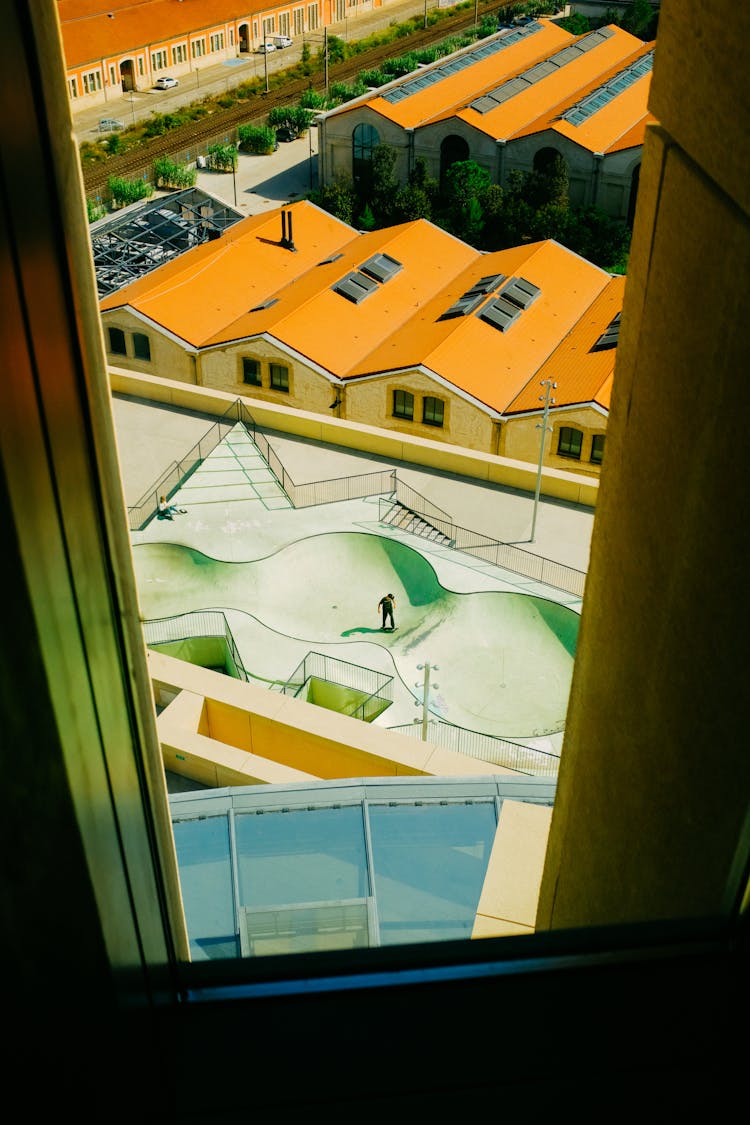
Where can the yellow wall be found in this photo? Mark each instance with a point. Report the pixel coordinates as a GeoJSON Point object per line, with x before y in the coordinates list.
{"type": "Point", "coordinates": [520, 439]}
{"type": "Point", "coordinates": [562, 485]}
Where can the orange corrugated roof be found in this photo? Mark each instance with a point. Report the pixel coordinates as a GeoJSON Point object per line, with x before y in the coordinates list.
{"type": "Point", "coordinates": [205, 296]}
{"type": "Point", "coordinates": [199, 293]}
{"type": "Point", "coordinates": [88, 32]}
{"type": "Point", "coordinates": [541, 105]}
{"type": "Point", "coordinates": [582, 375]}
{"type": "Point", "coordinates": [456, 89]}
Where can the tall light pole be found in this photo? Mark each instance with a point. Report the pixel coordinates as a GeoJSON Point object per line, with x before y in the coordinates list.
{"type": "Point", "coordinates": [425, 685]}
{"type": "Point", "coordinates": [425, 13]}
{"type": "Point", "coordinates": [545, 398]}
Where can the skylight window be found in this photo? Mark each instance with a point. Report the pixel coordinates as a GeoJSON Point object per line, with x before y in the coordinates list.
{"type": "Point", "coordinates": [381, 266]}
{"type": "Point", "coordinates": [609, 338]}
{"type": "Point", "coordinates": [597, 99]}
{"type": "Point", "coordinates": [473, 297]}
{"type": "Point", "coordinates": [355, 287]}
{"type": "Point", "coordinates": [414, 85]}
{"type": "Point", "coordinates": [521, 292]}
{"type": "Point", "coordinates": [266, 304]}
{"type": "Point", "coordinates": [500, 314]}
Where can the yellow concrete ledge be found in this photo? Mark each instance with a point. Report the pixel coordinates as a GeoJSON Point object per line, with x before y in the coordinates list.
{"type": "Point", "coordinates": [555, 483]}
{"type": "Point", "coordinates": [219, 731]}
{"type": "Point", "coordinates": [510, 894]}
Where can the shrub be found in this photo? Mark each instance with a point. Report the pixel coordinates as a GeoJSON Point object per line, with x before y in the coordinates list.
{"type": "Point", "coordinates": [222, 158]}
{"type": "Point", "coordinates": [124, 192]}
{"type": "Point", "coordinates": [95, 210]}
{"type": "Point", "coordinates": [167, 174]}
{"type": "Point", "coordinates": [258, 139]}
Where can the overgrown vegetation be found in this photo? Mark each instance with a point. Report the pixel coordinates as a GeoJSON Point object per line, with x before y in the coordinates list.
{"type": "Point", "coordinates": [222, 158]}
{"type": "Point", "coordinates": [534, 206]}
{"type": "Point", "coordinates": [168, 174]}
{"type": "Point", "coordinates": [256, 139]}
{"type": "Point", "coordinates": [124, 192]}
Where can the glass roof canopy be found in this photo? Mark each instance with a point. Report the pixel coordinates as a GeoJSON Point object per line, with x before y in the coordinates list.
{"type": "Point", "coordinates": [272, 869]}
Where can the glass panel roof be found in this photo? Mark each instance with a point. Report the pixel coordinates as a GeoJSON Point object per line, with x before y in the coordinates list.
{"type": "Point", "coordinates": [289, 868]}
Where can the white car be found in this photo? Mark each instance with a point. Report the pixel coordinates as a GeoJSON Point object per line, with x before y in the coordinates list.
{"type": "Point", "coordinates": [266, 48]}
{"type": "Point", "coordinates": [166, 83]}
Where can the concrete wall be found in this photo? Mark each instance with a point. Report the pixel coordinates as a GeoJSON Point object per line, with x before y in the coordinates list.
{"type": "Point", "coordinates": [520, 439]}
{"type": "Point", "coordinates": [562, 485]}
{"type": "Point", "coordinates": [650, 818]}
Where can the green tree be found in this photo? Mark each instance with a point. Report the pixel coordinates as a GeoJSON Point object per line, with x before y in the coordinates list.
{"type": "Point", "coordinates": [366, 219]}
{"type": "Point", "coordinates": [339, 198]}
{"type": "Point", "coordinates": [381, 194]}
{"type": "Point", "coordinates": [416, 198]}
{"type": "Point", "coordinates": [460, 208]}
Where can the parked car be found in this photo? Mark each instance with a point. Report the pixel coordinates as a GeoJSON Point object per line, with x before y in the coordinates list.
{"type": "Point", "coordinates": [109, 125]}
{"type": "Point", "coordinates": [165, 83]}
{"type": "Point", "coordinates": [281, 41]}
{"type": "Point", "coordinates": [266, 48]}
{"type": "Point", "coordinates": [285, 133]}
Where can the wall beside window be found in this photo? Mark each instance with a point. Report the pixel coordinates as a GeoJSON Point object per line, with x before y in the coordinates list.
{"type": "Point", "coordinates": [519, 439]}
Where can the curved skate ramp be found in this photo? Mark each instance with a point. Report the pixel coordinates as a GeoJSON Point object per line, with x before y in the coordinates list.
{"type": "Point", "coordinates": [505, 659]}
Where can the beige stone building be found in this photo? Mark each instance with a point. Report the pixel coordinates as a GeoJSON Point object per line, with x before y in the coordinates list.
{"type": "Point", "coordinates": [408, 329]}
{"type": "Point", "coordinates": [510, 102]}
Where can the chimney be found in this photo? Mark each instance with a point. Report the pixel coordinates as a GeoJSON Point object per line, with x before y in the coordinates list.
{"type": "Point", "coordinates": [286, 233]}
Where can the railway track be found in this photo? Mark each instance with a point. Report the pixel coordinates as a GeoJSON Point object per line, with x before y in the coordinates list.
{"type": "Point", "coordinates": [254, 110]}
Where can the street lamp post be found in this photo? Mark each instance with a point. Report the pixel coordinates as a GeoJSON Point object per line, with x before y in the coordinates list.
{"type": "Point", "coordinates": [425, 13]}
{"type": "Point", "coordinates": [545, 398]}
{"type": "Point", "coordinates": [425, 685]}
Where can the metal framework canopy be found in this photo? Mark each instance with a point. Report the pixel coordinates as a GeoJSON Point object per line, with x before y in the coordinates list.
{"type": "Point", "coordinates": [146, 236]}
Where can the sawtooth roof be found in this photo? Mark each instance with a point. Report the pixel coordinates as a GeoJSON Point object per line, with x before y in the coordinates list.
{"type": "Point", "coordinates": [527, 87]}
{"type": "Point", "coordinates": [249, 284]}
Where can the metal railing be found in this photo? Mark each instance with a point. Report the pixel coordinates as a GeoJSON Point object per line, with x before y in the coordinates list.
{"type": "Point", "coordinates": [196, 624]}
{"type": "Point", "coordinates": [483, 546]}
{"type": "Point", "coordinates": [497, 751]}
{"type": "Point", "coordinates": [378, 483]}
{"type": "Point", "coordinates": [376, 686]}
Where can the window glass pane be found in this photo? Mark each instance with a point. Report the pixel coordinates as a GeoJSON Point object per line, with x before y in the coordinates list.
{"type": "Point", "coordinates": [403, 404]}
{"type": "Point", "coordinates": [206, 882]}
{"type": "Point", "coordinates": [597, 448]}
{"type": "Point", "coordinates": [279, 377]}
{"type": "Point", "coordinates": [141, 346]}
{"type": "Point", "coordinates": [117, 341]}
{"type": "Point", "coordinates": [432, 411]}
{"type": "Point", "coordinates": [251, 371]}
{"type": "Point", "coordinates": [300, 856]}
{"type": "Point", "coordinates": [429, 863]}
{"type": "Point", "coordinates": [570, 442]}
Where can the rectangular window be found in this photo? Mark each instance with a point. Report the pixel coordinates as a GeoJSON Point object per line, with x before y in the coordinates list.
{"type": "Point", "coordinates": [597, 448]}
{"type": "Point", "coordinates": [251, 372]}
{"type": "Point", "coordinates": [198, 48]}
{"type": "Point", "coordinates": [283, 23]}
{"type": "Point", "coordinates": [73, 88]}
{"type": "Point", "coordinates": [159, 60]}
{"type": "Point", "coordinates": [217, 42]}
{"type": "Point", "coordinates": [117, 341]}
{"type": "Point", "coordinates": [140, 65]}
{"type": "Point", "coordinates": [179, 54]}
{"type": "Point", "coordinates": [112, 78]}
{"type": "Point", "coordinates": [403, 405]}
{"type": "Point", "coordinates": [279, 377]}
{"type": "Point", "coordinates": [299, 21]}
{"type": "Point", "coordinates": [141, 346]}
{"type": "Point", "coordinates": [312, 17]}
{"type": "Point", "coordinates": [570, 443]}
{"type": "Point", "coordinates": [433, 411]}
{"type": "Point", "coordinates": [92, 81]}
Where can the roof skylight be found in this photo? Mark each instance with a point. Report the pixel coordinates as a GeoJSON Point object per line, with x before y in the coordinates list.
{"type": "Point", "coordinates": [610, 337]}
{"type": "Point", "coordinates": [604, 94]}
{"type": "Point", "coordinates": [437, 73]}
{"type": "Point", "coordinates": [473, 297]}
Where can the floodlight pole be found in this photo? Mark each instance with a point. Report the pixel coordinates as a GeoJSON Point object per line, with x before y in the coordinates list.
{"type": "Point", "coordinates": [325, 53]}
{"type": "Point", "coordinates": [425, 695]}
{"type": "Point", "coordinates": [425, 13]}
{"type": "Point", "coordinates": [545, 398]}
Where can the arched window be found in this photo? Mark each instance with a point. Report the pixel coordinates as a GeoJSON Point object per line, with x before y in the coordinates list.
{"type": "Point", "coordinates": [546, 159]}
{"type": "Point", "coordinates": [570, 443]}
{"type": "Point", "coordinates": [364, 140]}
{"type": "Point", "coordinates": [452, 150]}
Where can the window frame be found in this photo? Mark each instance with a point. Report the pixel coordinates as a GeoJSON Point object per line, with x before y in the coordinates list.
{"type": "Point", "coordinates": [561, 439]}
{"type": "Point", "coordinates": [597, 448]}
{"type": "Point", "coordinates": [405, 415]}
{"type": "Point", "coordinates": [138, 336]}
{"type": "Point", "coordinates": [258, 381]}
{"type": "Point", "coordinates": [110, 342]}
{"type": "Point", "coordinates": [273, 369]}
{"type": "Point", "coordinates": [433, 421]}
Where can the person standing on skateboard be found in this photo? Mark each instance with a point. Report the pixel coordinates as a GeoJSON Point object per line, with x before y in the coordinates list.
{"type": "Point", "coordinates": [388, 604]}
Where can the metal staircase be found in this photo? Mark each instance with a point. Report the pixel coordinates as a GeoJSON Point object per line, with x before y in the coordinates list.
{"type": "Point", "coordinates": [399, 515]}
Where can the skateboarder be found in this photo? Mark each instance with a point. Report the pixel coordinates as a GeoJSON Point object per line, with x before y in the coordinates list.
{"type": "Point", "coordinates": [388, 604]}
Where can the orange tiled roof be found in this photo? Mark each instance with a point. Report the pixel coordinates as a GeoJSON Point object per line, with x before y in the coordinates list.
{"type": "Point", "coordinates": [205, 297]}
{"type": "Point", "coordinates": [582, 374]}
{"type": "Point", "coordinates": [88, 32]}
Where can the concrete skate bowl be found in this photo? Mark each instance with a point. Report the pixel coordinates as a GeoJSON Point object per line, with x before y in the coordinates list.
{"type": "Point", "coordinates": [505, 659]}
